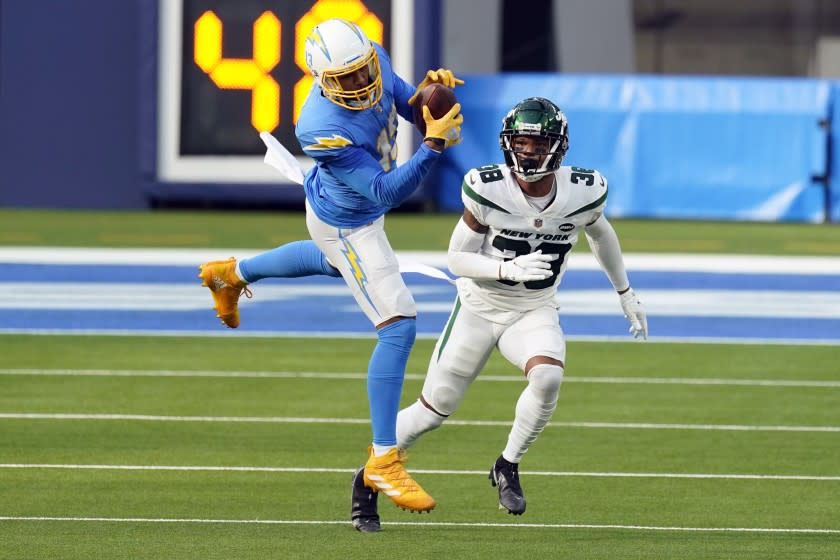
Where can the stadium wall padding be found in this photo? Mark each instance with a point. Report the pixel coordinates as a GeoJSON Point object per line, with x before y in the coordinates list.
{"type": "Point", "coordinates": [671, 147]}
{"type": "Point", "coordinates": [69, 99]}
{"type": "Point", "coordinates": [832, 196]}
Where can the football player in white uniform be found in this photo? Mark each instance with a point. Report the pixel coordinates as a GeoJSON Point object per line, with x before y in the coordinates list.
{"type": "Point", "coordinates": [510, 250]}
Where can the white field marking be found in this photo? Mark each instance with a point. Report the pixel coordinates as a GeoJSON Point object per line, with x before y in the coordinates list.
{"type": "Point", "coordinates": [756, 304]}
{"type": "Point", "coordinates": [420, 336]}
{"type": "Point", "coordinates": [125, 296]}
{"type": "Point", "coordinates": [167, 418]}
{"type": "Point", "coordinates": [503, 423]}
{"type": "Point", "coordinates": [783, 304]}
{"type": "Point", "coordinates": [447, 472]}
{"type": "Point", "coordinates": [417, 376]}
{"type": "Point", "coordinates": [426, 523]}
{"type": "Point", "coordinates": [119, 296]}
{"type": "Point", "coordinates": [681, 262]}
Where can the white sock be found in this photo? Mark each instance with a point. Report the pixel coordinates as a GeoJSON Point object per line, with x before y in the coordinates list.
{"type": "Point", "coordinates": [380, 450]}
{"type": "Point", "coordinates": [415, 420]}
{"type": "Point", "coordinates": [239, 273]}
{"type": "Point", "coordinates": [534, 408]}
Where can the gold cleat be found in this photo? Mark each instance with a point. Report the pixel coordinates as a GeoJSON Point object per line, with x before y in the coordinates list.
{"type": "Point", "coordinates": [225, 287]}
{"type": "Point", "coordinates": [386, 474]}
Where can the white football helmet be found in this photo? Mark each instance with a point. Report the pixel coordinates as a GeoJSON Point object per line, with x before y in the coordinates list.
{"type": "Point", "coordinates": [337, 48]}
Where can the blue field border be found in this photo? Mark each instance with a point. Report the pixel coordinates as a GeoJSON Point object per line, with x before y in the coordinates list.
{"type": "Point", "coordinates": [337, 315]}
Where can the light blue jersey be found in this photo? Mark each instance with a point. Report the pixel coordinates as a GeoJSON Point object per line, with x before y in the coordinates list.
{"type": "Point", "coordinates": [355, 178]}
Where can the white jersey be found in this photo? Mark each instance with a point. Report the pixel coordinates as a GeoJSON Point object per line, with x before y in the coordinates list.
{"type": "Point", "coordinates": [494, 197]}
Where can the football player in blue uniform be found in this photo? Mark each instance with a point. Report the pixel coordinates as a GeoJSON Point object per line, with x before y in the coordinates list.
{"type": "Point", "coordinates": [348, 125]}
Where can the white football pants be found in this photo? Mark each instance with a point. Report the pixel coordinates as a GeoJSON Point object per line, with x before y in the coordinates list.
{"type": "Point", "coordinates": [368, 265]}
{"type": "Point", "coordinates": [460, 354]}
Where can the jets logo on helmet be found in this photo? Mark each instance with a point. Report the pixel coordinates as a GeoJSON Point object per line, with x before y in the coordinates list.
{"type": "Point", "coordinates": [344, 63]}
{"type": "Point", "coordinates": [535, 116]}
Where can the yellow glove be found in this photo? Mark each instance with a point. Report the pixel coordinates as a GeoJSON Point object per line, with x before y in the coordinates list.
{"type": "Point", "coordinates": [447, 128]}
{"type": "Point", "coordinates": [439, 76]}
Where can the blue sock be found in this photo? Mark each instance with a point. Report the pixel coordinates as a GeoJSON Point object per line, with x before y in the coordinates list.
{"type": "Point", "coordinates": [292, 260]}
{"type": "Point", "coordinates": [386, 372]}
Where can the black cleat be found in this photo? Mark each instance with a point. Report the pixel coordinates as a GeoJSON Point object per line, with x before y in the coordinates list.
{"type": "Point", "coordinates": [363, 512]}
{"type": "Point", "coordinates": [505, 475]}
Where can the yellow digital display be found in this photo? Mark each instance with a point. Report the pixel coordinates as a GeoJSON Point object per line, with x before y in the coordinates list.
{"type": "Point", "coordinates": [236, 73]}
{"type": "Point", "coordinates": [244, 67]}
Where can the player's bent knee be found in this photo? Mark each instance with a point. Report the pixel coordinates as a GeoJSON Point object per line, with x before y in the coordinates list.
{"type": "Point", "coordinates": [401, 331]}
{"type": "Point", "coordinates": [537, 360]}
{"type": "Point", "coordinates": [546, 378]}
{"type": "Point", "coordinates": [444, 400]}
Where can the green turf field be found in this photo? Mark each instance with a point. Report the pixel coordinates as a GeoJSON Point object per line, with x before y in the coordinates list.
{"type": "Point", "coordinates": [233, 447]}
{"type": "Point", "coordinates": [406, 231]}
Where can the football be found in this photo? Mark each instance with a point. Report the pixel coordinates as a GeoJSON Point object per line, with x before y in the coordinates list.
{"type": "Point", "coordinates": [438, 98]}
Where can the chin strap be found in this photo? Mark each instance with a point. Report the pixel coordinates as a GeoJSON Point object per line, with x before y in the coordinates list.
{"type": "Point", "coordinates": [532, 178]}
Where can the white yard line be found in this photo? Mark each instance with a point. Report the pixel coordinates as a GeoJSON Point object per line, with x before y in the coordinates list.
{"type": "Point", "coordinates": [447, 472]}
{"type": "Point", "coordinates": [420, 336]}
{"type": "Point", "coordinates": [611, 380]}
{"type": "Point", "coordinates": [502, 423]}
{"type": "Point", "coordinates": [672, 301]}
{"type": "Point", "coordinates": [426, 523]}
{"type": "Point", "coordinates": [680, 262]}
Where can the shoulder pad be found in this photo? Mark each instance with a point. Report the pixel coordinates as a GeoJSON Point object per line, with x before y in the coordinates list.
{"type": "Point", "coordinates": [479, 185]}
{"type": "Point", "coordinates": [591, 186]}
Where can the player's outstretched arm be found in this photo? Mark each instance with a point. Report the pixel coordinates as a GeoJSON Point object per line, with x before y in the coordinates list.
{"type": "Point", "coordinates": [439, 76]}
{"type": "Point", "coordinates": [357, 169]}
{"type": "Point", "coordinates": [607, 250]}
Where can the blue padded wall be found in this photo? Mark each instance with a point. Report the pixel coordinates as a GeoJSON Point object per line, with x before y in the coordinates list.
{"type": "Point", "coordinates": [834, 156]}
{"type": "Point", "coordinates": [675, 147]}
{"type": "Point", "coordinates": [68, 104]}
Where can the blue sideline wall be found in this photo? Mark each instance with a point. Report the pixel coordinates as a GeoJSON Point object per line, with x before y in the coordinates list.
{"type": "Point", "coordinates": [833, 149]}
{"type": "Point", "coordinates": [671, 147]}
{"type": "Point", "coordinates": [69, 104]}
